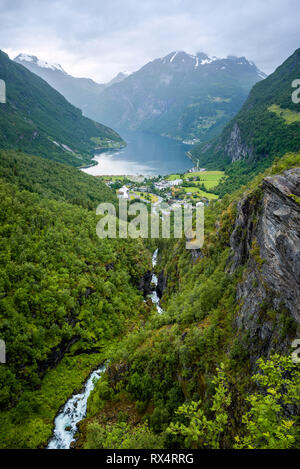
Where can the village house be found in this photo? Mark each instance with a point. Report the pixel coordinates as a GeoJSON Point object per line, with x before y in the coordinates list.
{"type": "Point", "coordinates": [167, 184]}
{"type": "Point", "coordinates": [123, 193]}
{"type": "Point", "coordinates": [176, 182]}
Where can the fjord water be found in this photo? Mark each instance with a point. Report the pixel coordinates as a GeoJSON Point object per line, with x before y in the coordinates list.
{"type": "Point", "coordinates": [146, 154]}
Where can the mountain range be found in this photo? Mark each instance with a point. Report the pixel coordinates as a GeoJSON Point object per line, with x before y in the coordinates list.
{"type": "Point", "coordinates": [267, 126]}
{"type": "Point", "coordinates": [182, 96]}
{"type": "Point", "coordinates": [216, 368]}
{"type": "Point", "coordinates": [37, 119]}
{"type": "Point", "coordinates": [81, 92]}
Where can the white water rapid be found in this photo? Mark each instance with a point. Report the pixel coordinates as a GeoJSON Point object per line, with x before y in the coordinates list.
{"type": "Point", "coordinates": [154, 296]}
{"type": "Point", "coordinates": [65, 423]}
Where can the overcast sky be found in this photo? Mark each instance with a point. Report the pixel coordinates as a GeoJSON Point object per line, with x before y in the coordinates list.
{"type": "Point", "coordinates": [99, 38]}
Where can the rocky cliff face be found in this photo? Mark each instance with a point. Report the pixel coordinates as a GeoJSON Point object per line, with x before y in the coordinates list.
{"type": "Point", "coordinates": [236, 149]}
{"type": "Point", "coordinates": [162, 283]}
{"type": "Point", "coordinates": [266, 239]}
{"type": "Point", "coordinates": [144, 284]}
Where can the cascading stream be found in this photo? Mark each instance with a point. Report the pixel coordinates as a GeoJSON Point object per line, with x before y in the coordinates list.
{"type": "Point", "coordinates": [154, 296]}
{"type": "Point", "coordinates": [66, 421]}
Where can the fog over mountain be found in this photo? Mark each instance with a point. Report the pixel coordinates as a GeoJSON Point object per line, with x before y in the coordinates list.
{"type": "Point", "coordinates": [100, 39]}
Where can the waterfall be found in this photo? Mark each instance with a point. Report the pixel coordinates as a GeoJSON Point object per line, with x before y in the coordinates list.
{"type": "Point", "coordinates": [65, 423]}
{"type": "Point", "coordinates": [154, 296]}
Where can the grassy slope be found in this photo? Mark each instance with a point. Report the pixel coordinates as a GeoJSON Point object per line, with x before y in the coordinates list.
{"type": "Point", "coordinates": [209, 178]}
{"type": "Point", "coordinates": [289, 116]}
{"type": "Point", "coordinates": [201, 193]}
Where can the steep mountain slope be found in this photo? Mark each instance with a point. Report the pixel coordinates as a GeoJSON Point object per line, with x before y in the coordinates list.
{"type": "Point", "coordinates": [53, 180]}
{"type": "Point", "coordinates": [81, 92]}
{"type": "Point", "coordinates": [37, 119]}
{"type": "Point", "coordinates": [69, 301]}
{"type": "Point", "coordinates": [65, 295]}
{"type": "Point", "coordinates": [183, 96]}
{"type": "Point", "coordinates": [117, 79]}
{"type": "Point", "coordinates": [266, 241]}
{"type": "Point", "coordinates": [225, 306]}
{"type": "Point", "coordinates": [267, 126]}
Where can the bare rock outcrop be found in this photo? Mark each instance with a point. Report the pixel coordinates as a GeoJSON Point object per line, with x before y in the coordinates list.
{"type": "Point", "coordinates": [266, 240]}
{"type": "Point", "coordinates": [236, 148]}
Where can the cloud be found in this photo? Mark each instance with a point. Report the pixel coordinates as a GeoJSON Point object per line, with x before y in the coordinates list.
{"type": "Point", "coordinates": [99, 38]}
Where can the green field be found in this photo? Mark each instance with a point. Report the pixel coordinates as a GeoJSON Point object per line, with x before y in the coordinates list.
{"type": "Point", "coordinates": [209, 178]}
{"type": "Point", "coordinates": [172, 177]}
{"type": "Point", "coordinates": [145, 195]}
{"type": "Point", "coordinates": [201, 193]}
{"type": "Point", "coordinates": [289, 116]}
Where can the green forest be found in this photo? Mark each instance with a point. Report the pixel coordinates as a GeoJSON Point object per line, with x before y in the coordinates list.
{"type": "Point", "coordinates": [216, 367]}
{"type": "Point", "coordinates": [63, 291]}
{"type": "Point", "coordinates": [70, 301]}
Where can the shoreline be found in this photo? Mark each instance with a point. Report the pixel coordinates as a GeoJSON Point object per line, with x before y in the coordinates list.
{"type": "Point", "coordinates": [189, 155]}
{"type": "Point", "coordinates": [101, 150]}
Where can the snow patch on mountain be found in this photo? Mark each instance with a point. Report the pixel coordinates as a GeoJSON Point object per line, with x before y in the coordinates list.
{"type": "Point", "coordinates": [173, 57]}
{"type": "Point", "coordinates": [40, 63]}
{"type": "Point", "coordinates": [181, 56]}
{"type": "Point", "coordinates": [209, 60]}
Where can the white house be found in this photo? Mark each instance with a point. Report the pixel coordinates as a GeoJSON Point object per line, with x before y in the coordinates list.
{"type": "Point", "coordinates": [123, 193]}
{"type": "Point", "coordinates": [167, 184]}
{"type": "Point", "coordinates": [176, 182]}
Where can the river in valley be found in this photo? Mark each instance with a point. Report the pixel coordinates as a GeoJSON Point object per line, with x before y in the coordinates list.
{"type": "Point", "coordinates": [67, 419]}
{"type": "Point", "coordinates": [65, 423]}
{"type": "Point", "coordinates": [146, 154]}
